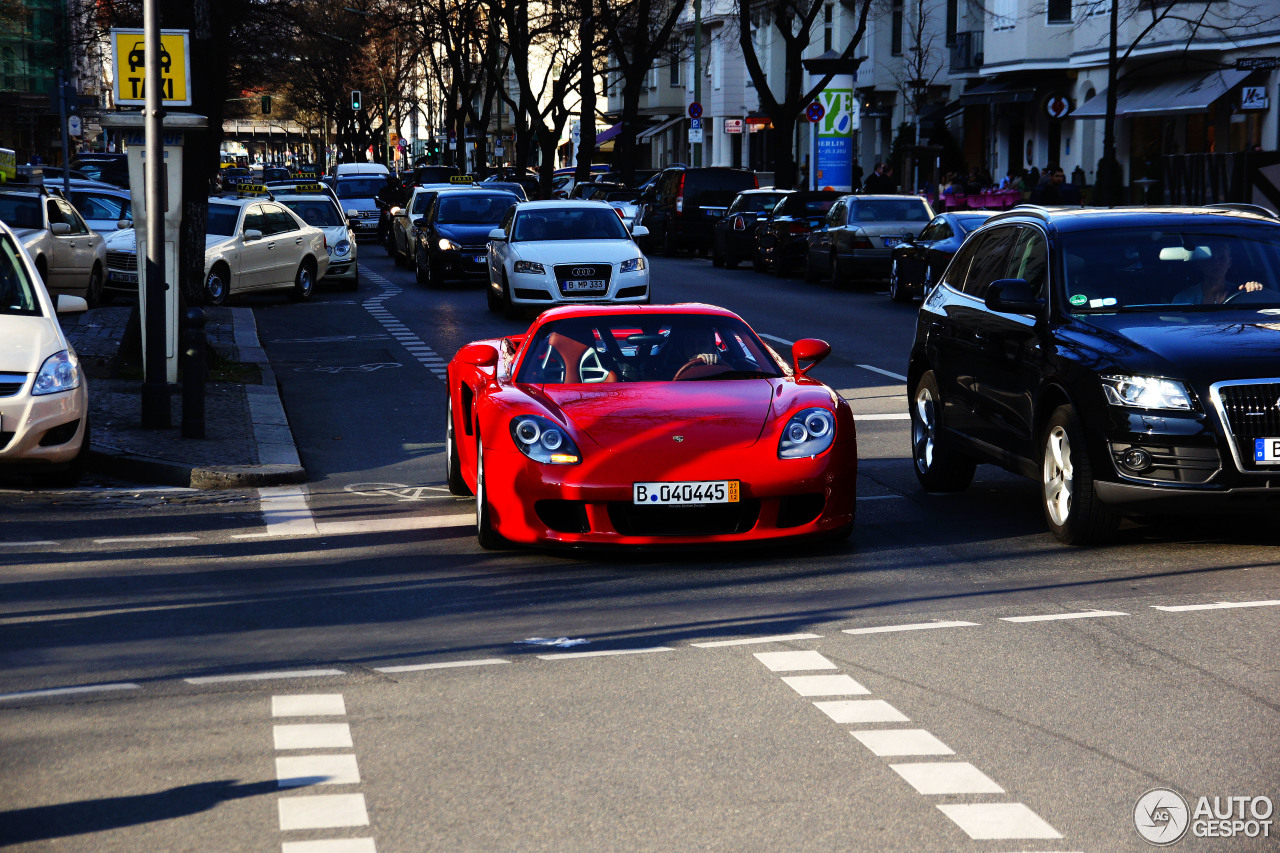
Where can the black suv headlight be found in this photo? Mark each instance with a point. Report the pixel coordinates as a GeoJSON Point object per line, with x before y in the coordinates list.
{"type": "Point", "coordinates": [543, 440]}
{"type": "Point", "coordinates": [808, 433]}
{"type": "Point", "coordinates": [1147, 392]}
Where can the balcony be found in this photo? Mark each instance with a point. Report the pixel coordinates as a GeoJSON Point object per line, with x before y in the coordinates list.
{"type": "Point", "coordinates": [966, 53]}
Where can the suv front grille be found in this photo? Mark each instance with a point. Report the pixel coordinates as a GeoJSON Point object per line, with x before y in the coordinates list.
{"type": "Point", "coordinates": [1250, 410]}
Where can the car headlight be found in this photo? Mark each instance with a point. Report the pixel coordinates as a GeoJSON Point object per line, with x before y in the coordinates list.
{"type": "Point", "coordinates": [632, 265]}
{"type": "Point", "coordinates": [60, 372]}
{"type": "Point", "coordinates": [808, 433]}
{"type": "Point", "coordinates": [1146, 392]}
{"type": "Point", "coordinates": [543, 440]}
{"type": "Point", "coordinates": [342, 248]}
{"type": "Point", "coordinates": [530, 267]}
{"type": "Point", "coordinates": [447, 245]}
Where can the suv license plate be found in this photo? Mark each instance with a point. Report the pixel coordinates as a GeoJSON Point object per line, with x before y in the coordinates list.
{"type": "Point", "coordinates": [583, 284]}
{"type": "Point", "coordinates": [686, 493]}
{"type": "Point", "coordinates": [1266, 451]}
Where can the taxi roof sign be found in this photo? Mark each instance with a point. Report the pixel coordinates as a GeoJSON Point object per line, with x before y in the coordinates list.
{"type": "Point", "coordinates": [461, 179]}
{"type": "Point", "coordinates": [128, 61]}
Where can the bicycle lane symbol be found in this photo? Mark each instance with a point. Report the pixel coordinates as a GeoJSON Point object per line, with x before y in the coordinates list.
{"type": "Point", "coordinates": [399, 491]}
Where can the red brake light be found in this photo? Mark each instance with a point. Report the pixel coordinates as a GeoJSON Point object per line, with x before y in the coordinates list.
{"type": "Point", "coordinates": [680, 195]}
{"type": "Point", "coordinates": [739, 224]}
{"type": "Point", "coordinates": [799, 228]}
{"type": "Point", "coordinates": [862, 243]}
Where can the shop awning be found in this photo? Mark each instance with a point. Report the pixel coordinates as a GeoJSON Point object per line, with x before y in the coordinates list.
{"type": "Point", "coordinates": [607, 135]}
{"type": "Point", "coordinates": [1165, 96]}
{"type": "Point", "coordinates": [650, 133]}
{"type": "Point", "coordinates": [1013, 90]}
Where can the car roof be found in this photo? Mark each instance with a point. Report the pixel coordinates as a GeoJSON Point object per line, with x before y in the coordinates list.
{"type": "Point", "coordinates": [1067, 219]}
{"type": "Point", "coordinates": [562, 203]}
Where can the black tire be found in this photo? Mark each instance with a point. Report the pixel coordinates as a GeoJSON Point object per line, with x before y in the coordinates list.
{"type": "Point", "coordinates": [811, 272]}
{"type": "Point", "coordinates": [757, 262]}
{"type": "Point", "coordinates": [938, 468]}
{"type": "Point", "coordinates": [668, 242]}
{"type": "Point", "coordinates": [717, 259]}
{"type": "Point", "coordinates": [494, 300]}
{"type": "Point", "coordinates": [731, 260]}
{"type": "Point", "coordinates": [897, 290]}
{"type": "Point", "coordinates": [837, 274]}
{"type": "Point", "coordinates": [509, 310]}
{"type": "Point", "coordinates": [421, 271]}
{"type": "Point", "coordinates": [781, 265]}
{"type": "Point", "coordinates": [488, 538]}
{"type": "Point", "coordinates": [93, 295]}
{"type": "Point", "coordinates": [304, 282]}
{"type": "Point", "coordinates": [1068, 495]}
{"type": "Point", "coordinates": [217, 286]}
{"type": "Point", "coordinates": [453, 465]}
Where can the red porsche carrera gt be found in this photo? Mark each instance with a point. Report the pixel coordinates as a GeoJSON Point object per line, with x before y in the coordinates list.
{"type": "Point", "coordinates": [648, 425]}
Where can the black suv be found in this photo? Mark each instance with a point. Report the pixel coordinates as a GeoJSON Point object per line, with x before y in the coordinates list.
{"type": "Point", "coordinates": [685, 203]}
{"type": "Point", "coordinates": [1127, 359]}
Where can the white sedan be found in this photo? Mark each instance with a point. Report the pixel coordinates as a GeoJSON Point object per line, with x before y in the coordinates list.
{"type": "Point", "coordinates": [549, 253]}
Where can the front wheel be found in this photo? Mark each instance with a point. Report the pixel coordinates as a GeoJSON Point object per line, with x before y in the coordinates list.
{"type": "Point", "coordinates": [1071, 506]}
{"type": "Point", "coordinates": [304, 283]}
{"type": "Point", "coordinates": [938, 468]}
{"type": "Point", "coordinates": [216, 286]}
{"type": "Point", "coordinates": [420, 270]}
{"type": "Point", "coordinates": [93, 296]}
{"type": "Point", "coordinates": [811, 272]}
{"type": "Point", "coordinates": [452, 464]}
{"type": "Point", "coordinates": [897, 289]}
{"type": "Point", "coordinates": [486, 535]}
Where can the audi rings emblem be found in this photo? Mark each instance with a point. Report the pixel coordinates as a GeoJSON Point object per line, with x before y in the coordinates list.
{"type": "Point", "coordinates": [583, 272]}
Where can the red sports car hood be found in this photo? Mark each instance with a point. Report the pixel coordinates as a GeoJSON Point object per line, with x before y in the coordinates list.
{"type": "Point", "coordinates": [646, 417]}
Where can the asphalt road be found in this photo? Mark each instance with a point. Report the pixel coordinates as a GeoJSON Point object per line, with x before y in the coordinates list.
{"type": "Point", "coordinates": [341, 663]}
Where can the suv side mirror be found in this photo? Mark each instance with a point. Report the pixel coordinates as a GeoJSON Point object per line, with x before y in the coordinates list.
{"type": "Point", "coordinates": [1012, 296]}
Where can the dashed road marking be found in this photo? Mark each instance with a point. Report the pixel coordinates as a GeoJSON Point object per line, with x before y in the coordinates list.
{"type": "Point", "coordinates": [897, 376]}
{"type": "Point", "coordinates": [453, 664]}
{"type": "Point", "coordinates": [751, 641]}
{"type": "Point", "coordinates": [572, 655]}
{"type": "Point", "coordinates": [330, 845]}
{"type": "Point", "coordinates": [299, 771]}
{"type": "Point", "coordinates": [312, 736]}
{"type": "Point", "coordinates": [791, 661]}
{"type": "Point", "coordinates": [1053, 617]}
{"type": "Point", "coordinates": [120, 540]}
{"type": "Point", "coordinates": [990, 821]}
{"type": "Point", "coordinates": [263, 676]}
{"type": "Point", "coordinates": [917, 626]}
{"type": "Point", "coordinates": [69, 691]}
{"type": "Point", "coordinates": [892, 416]}
{"type": "Point", "coordinates": [934, 778]}
{"type": "Point", "coordinates": [1220, 605]}
{"type": "Point", "coordinates": [825, 685]}
{"type": "Point", "coordinates": [414, 345]}
{"type": "Point", "coordinates": [31, 544]}
{"type": "Point", "coordinates": [322, 811]}
{"type": "Point", "coordinates": [309, 705]}
{"type": "Point", "coordinates": [851, 711]}
{"type": "Point", "coordinates": [893, 742]}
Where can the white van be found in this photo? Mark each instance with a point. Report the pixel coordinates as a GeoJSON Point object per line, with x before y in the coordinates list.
{"type": "Point", "coordinates": [347, 169]}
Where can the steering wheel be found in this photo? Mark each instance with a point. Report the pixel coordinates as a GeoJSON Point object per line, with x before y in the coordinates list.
{"type": "Point", "coordinates": [591, 369]}
{"type": "Point", "coordinates": [1245, 297]}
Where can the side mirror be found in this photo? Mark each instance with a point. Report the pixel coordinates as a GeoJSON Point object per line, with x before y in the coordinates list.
{"type": "Point", "coordinates": [811, 350]}
{"type": "Point", "coordinates": [498, 234]}
{"type": "Point", "coordinates": [639, 231]}
{"type": "Point", "coordinates": [67, 304]}
{"type": "Point", "coordinates": [1012, 296]}
{"type": "Point", "coordinates": [122, 224]}
{"type": "Point", "coordinates": [353, 214]}
{"type": "Point", "coordinates": [478, 355]}
{"type": "Point", "coordinates": [252, 234]}
{"type": "Point", "coordinates": [420, 222]}
{"type": "Point", "coordinates": [60, 228]}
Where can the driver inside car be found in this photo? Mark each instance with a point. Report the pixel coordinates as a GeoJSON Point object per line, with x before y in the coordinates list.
{"type": "Point", "coordinates": [1211, 263]}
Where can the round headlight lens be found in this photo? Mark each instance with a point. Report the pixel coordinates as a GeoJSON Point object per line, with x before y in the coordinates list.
{"type": "Point", "coordinates": [543, 440]}
{"type": "Point", "coordinates": [552, 439]}
{"type": "Point", "coordinates": [528, 431]}
{"type": "Point", "coordinates": [808, 433]}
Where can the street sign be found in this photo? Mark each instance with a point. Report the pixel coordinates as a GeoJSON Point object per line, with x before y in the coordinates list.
{"type": "Point", "coordinates": [74, 127]}
{"type": "Point", "coordinates": [1258, 63]}
{"type": "Point", "coordinates": [695, 133]}
{"type": "Point", "coordinates": [128, 60]}
{"type": "Point", "coordinates": [695, 110]}
{"type": "Point", "coordinates": [815, 111]}
{"type": "Point", "coordinates": [733, 125]}
{"type": "Point", "coordinates": [1057, 105]}
{"type": "Point", "coordinates": [1254, 98]}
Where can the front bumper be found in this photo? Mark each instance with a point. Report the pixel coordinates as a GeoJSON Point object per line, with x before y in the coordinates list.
{"type": "Point", "coordinates": [544, 290]}
{"type": "Point", "coordinates": [343, 269]}
{"type": "Point", "coordinates": [591, 503]}
{"type": "Point", "coordinates": [36, 431]}
{"type": "Point", "coordinates": [465, 263]}
{"type": "Point", "coordinates": [868, 263]}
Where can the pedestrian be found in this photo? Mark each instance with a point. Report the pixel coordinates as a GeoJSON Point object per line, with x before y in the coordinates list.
{"type": "Point", "coordinates": [855, 184]}
{"type": "Point", "coordinates": [881, 180]}
{"type": "Point", "coordinates": [1057, 191]}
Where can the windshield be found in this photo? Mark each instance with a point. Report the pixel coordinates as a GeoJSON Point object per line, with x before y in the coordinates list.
{"type": "Point", "coordinates": [20, 211]}
{"type": "Point", "coordinates": [222, 220]}
{"type": "Point", "coordinates": [360, 187]}
{"type": "Point", "coordinates": [17, 290]}
{"type": "Point", "coordinates": [317, 211]}
{"type": "Point", "coordinates": [569, 223]}
{"type": "Point", "coordinates": [755, 202]}
{"type": "Point", "coordinates": [1186, 269]}
{"type": "Point", "coordinates": [871, 211]}
{"type": "Point", "coordinates": [473, 209]}
{"type": "Point", "coordinates": [645, 348]}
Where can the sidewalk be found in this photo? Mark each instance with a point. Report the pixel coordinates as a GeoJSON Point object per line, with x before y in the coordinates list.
{"type": "Point", "coordinates": [248, 442]}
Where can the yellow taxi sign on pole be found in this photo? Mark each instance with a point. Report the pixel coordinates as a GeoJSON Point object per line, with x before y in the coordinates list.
{"type": "Point", "coordinates": [128, 62]}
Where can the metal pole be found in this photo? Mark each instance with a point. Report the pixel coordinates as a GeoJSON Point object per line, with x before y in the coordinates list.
{"type": "Point", "coordinates": [62, 124]}
{"type": "Point", "coordinates": [155, 388]}
{"type": "Point", "coordinates": [697, 72]}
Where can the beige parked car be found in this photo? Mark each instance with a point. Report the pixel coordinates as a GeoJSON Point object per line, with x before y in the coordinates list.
{"type": "Point", "coordinates": [253, 242]}
{"type": "Point", "coordinates": [70, 257]}
{"type": "Point", "coordinates": [44, 404]}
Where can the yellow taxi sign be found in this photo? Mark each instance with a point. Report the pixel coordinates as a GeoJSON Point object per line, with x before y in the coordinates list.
{"type": "Point", "coordinates": [252, 189]}
{"type": "Point", "coordinates": [129, 66]}
{"type": "Point", "coordinates": [461, 179]}
{"type": "Point", "coordinates": [306, 188]}
{"type": "Point", "coordinates": [306, 176]}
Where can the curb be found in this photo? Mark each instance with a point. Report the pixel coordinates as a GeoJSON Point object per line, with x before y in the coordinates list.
{"type": "Point", "coordinates": [128, 466]}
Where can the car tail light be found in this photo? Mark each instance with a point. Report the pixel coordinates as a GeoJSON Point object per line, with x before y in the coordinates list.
{"type": "Point", "coordinates": [798, 228]}
{"type": "Point", "coordinates": [739, 224]}
{"type": "Point", "coordinates": [861, 242]}
{"type": "Point", "coordinates": [680, 197]}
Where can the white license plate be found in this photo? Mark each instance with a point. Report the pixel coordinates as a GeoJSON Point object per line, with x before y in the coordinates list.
{"type": "Point", "coordinates": [127, 277]}
{"type": "Point", "coordinates": [890, 242]}
{"type": "Point", "coordinates": [480, 259]}
{"type": "Point", "coordinates": [583, 284]}
{"type": "Point", "coordinates": [1266, 451]}
{"type": "Point", "coordinates": [687, 493]}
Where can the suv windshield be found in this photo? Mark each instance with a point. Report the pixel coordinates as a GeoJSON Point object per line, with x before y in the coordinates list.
{"type": "Point", "coordinates": [645, 348]}
{"type": "Point", "coordinates": [18, 210]}
{"type": "Point", "coordinates": [1186, 269]}
{"type": "Point", "coordinates": [473, 209]}
{"type": "Point", "coordinates": [17, 290]}
{"type": "Point", "coordinates": [360, 187]}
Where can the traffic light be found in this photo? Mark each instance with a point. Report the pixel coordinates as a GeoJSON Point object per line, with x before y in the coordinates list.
{"type": "Point", "coordinates": [266, 105]}
{"type": "Point", "coordinates": [355, 102]}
